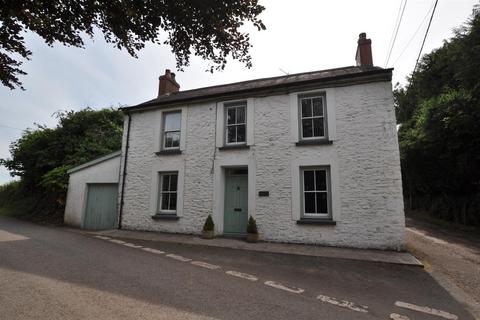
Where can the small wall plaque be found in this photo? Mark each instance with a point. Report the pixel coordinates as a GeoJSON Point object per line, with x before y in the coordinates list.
{"type": "Point", "coordinates": [263, 193]}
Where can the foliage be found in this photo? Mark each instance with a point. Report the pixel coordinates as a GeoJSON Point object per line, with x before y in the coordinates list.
{"type": "Point", "coordinates": [439, 112]}
{"type": "Point", "coordinates": [208, 225]}
{"type": "Point", "coordinates": [208, 28]}
{"type": "Point", "coordinates": [42, 156]}
{"type": "Point", "coordinates": [252, 225]}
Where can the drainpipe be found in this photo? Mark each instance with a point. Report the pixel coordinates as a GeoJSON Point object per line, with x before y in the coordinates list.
{"type": "Point", "coordinates": [124, 174]}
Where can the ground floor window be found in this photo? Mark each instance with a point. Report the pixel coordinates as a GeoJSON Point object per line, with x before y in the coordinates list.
{"type": "Point", "coordinates": [167, 198]}
{"type": "Point", "coordinates": [316, 192]}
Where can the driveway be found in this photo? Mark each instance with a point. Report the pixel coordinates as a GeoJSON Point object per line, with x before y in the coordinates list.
{"type": "Point", "coordinates": [51, 273]}
{"type": "Point", "coordinates": [452, 257]}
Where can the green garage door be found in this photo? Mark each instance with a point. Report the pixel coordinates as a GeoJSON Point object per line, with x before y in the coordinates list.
{"type": "Point", "coordinates": [101, 210]}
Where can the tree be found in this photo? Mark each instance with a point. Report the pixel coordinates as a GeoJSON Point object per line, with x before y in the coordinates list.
{"type": "Point", "coordinates": [42, 156]}
{"type": "Point", "coordinates": [208, 28]}
{"type": "Point", "coordinates": [439, 110]}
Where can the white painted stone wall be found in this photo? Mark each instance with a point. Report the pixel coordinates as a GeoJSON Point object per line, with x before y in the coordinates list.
{"type": "Point", "coordinates": [104, 172]}
{"type": "Point", "coordinates": [364, 160]}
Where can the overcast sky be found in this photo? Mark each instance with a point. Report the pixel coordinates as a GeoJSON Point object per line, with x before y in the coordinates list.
{"type": "Point", "coordinates": [301, 35]}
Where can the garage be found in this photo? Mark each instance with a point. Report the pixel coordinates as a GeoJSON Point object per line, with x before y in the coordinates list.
{"type": "Point", "coordinates": [92, 195]}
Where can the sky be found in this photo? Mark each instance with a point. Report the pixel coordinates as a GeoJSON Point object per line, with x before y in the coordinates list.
{"type": "Point", "coordinates": [301, 36]}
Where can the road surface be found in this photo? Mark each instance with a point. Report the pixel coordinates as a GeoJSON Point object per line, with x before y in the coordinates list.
{"type": "Point", "coordinates": [53, 273]}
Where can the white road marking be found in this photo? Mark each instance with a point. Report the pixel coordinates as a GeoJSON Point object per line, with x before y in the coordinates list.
{"type": "Point", "coordinates": [342, 303]}
{"type": "Point", "coordinates": [178, 258]}
{"type": "Point", "coordinates": [242, 275]}
{"type": "Point", "coordinates": [433, 239]}
{"type": "Point", "coordinates": [205, 265]}
{"type": "Point", "coordinates": [131, 245]}
{"type": "Point", "coordinates": [282, 287]}
{"type": "Point", "coordinates": [102, 237]}
{"type": "Point", "coordinates": [117, 241]}
{"type": "Point", "coordinates": [396, 316]}
{"type": "Point", "coordinates": [428, 310]}
{"type": "Point", "coordinates": [153, 250]}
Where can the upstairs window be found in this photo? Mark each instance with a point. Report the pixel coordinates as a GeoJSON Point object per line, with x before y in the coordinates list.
{"type": "Point", "coordinates": [312, 118]}
{"type": "Point", "coordinates": [171, 130]}
{"type": "Point", "coordinates": [236, 124]}
{"type": "Point", "coordinates": [167, 202]}
{"type": "Point", "coordinates": [316, 192]}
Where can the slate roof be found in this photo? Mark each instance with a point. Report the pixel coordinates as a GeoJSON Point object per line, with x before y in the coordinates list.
{"type": "Point", "coordinates": [338, 76]}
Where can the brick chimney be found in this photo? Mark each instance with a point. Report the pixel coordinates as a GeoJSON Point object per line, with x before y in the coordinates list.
{"type": "Point", "coordinates": [167, 84]}
{"type": "Point", "coordinates": [364, 51]}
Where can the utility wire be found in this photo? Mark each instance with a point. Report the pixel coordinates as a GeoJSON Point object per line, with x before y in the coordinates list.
{"type": "Point", "coordinates": [415, 33]}
{"type": "Point", "coordinates": [396, 33]}
{"type": "Point", "coordinates": [393, 31]}
{"type": "Point", "coordinates": [4, 126]}
{"type": "Point", "coordinates": [425, 38]}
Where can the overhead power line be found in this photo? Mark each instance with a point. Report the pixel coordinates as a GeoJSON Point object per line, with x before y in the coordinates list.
{"type": "Point", "coordinates": [395, 31]}
{"type": "Point", "coordinates": [4, 126]}
{"type": "Point", "coordinates": [426, 33]}
{"type": "Point", "coordinates": [415, 33]}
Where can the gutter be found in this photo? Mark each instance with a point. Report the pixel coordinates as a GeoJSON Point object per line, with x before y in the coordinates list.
{"type": "Point", "coordinates": [124, 174]}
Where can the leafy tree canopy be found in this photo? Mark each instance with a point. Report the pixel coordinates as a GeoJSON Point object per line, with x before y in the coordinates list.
{"type": "Point", "coordinates": [208, 28]}
{"type": "Point", "coordinates": [42, 156]}
{"type": "Point", "coordinates": [439, 112]}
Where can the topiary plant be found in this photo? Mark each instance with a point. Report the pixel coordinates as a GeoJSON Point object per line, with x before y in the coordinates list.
{"type": "Point", "coordinates": [252, 226]}
{"type": "Point", "coordinates": [208, 225]}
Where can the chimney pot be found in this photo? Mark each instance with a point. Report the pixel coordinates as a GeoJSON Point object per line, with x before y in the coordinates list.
{"type": "Point", "coordinates": [167, 83]}
{"type": "Point", "coordinates": [364, 51]}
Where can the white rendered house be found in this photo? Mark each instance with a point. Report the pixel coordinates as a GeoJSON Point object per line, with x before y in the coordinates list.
{"type": "Point", "coordinates": [313, 157]}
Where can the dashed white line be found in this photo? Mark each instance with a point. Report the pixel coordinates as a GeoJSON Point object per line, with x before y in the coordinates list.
{"type": "Point", "coordinates": [396, 316]}
{"type": "Point", "coordinates": [153, 250]}
{"type": "Point", "coordinates": [283, 287]}
{"type": "Point", "coordinates": [342, 303]}
{"type": "Point", "coordinates": [428, 310]}
{"type": "Point", "coordinates": [131, 245]}
{"type": "Point", "coordinates": [205, 265]}
{"type": "Point", "coordinates": [178, 258]}
{"type": "Point", "coordinates": [117, 241]}
{"type": "Point", "coordinates": [102, 237]}
{"type": "Point", "coordinates": [242, 275]}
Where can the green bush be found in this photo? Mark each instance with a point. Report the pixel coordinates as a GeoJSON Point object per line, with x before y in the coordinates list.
{"type": "Point", "coordinates": [208, 225]}
{"type": "Point", "coordinates": [252, 226]}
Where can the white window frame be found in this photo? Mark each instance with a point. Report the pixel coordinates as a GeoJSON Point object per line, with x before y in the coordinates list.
{"type": "Point", "coordinates": [328, 191]}
{"type": "Point", "coordinates": [161, 192]}
{"type": "Point", "coordinates": [324, 116]}
{"type": "Point", "coordinates": [164, 136]}
{"type": "Point", "coordinates": [235, 105]}
{"type": "Point", "coordinates": [220, 138]}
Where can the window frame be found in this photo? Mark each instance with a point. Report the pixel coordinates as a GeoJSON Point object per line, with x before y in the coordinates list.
{"type": "Point", "coordinates": [312, 96]}
{"type": "Point", "coordinates": [303, 214]}
{"type": "Point", "coordinates": [237, 104]}
{"type": "Point", "coordinates": [164, 132]}
{"type": "Point", "coordinates": [160, 193]}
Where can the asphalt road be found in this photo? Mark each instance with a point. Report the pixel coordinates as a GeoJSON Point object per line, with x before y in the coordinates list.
{"type": "Point", "coordinates": [452, 257]}
{"type": "Point", "coordinates": [53, 273]}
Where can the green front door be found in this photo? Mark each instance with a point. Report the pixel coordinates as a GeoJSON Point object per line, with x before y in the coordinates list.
{"type": "Point", "coordinates": [101, 208]}
{"type": "Point", "coordinates": [236, 205]}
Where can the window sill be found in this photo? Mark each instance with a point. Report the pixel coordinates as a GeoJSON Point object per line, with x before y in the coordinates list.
{"type": "Point", "coordinates": [313, 142]}
{"type": "Point", "coordinates": [316, 221]}
{"type": "Point", "coordinates": [166, 152]}
{"type": "Point", "coordinates": [235, 146]}
{"type": "Point", "coordinates": [163, 216]}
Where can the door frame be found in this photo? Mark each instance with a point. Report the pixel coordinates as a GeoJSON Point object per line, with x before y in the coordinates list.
{"type": "Point", "coordinates": [220, 167]}
{"type": "Point", "coordinates": [85, 202]}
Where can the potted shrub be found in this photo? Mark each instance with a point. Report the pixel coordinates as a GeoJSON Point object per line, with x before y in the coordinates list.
{"type": "Point", "coordinates": [252, 231]}
{"type": "Point", "coordinates": [208, 226]}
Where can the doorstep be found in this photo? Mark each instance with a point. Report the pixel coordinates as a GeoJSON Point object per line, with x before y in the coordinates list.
{"type": "Point", "coordinates": [394, 257]}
